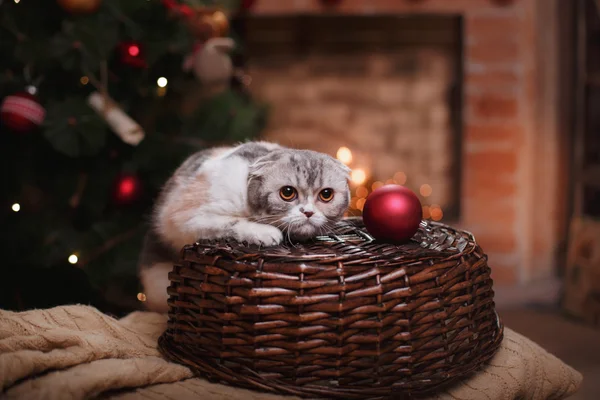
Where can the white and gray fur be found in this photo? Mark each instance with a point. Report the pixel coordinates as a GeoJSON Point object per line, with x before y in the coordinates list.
{"type": "Point", "coordinates": [234, 193]}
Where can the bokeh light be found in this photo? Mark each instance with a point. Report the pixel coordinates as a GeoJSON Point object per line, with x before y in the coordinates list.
{"type": "Point", "coordinates": [436, 213]}
{"type": "Point", "coordinates": [400, 178]}
{"type": "Point", "coordinates": [425, 190]}
{"type": "Point", "coordinates": [362, 191]}
{"type": "Point", "coordinates": [360, 204]}
{"type": "Point", "coordinates": [426, 213]}
{"type": "Point", "coordinates": [162, 82]}
{"type": "Point", "coordinates": [358, 176]}
{"type": "Point", "coordinates": [344, 155]}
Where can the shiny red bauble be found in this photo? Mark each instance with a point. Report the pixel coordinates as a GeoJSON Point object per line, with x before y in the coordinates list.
{"type": "Point", "coordinates": [127, 189]}
{"type": "Point", "coordinates": [132, 54]}
{"type": "Point", "coordinates": [21, 112]}
{"type": "Point", "coordinates": [392, 213]}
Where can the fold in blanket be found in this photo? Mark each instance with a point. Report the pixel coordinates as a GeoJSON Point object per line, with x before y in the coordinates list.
{"type": "Point", "coordinates": [76, 352]}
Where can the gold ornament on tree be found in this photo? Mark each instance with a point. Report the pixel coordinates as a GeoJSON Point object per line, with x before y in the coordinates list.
{"type": "Point", "coordinates": [80, 6]}
{"type": "Point", "coordinates": [208, 23]}
{"type": "Point", "coordinates": [220, 22]}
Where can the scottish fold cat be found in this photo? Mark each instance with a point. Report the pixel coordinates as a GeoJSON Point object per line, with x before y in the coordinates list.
{"type": "Point", "coordinates": [256, 192]}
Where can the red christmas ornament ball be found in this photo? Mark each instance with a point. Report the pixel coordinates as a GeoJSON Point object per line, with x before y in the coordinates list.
{"type": "Point", "coordinates": [392, 213]}
{"type": "Point", "coordinates": [132, 54]}
{"type": "Point", "coordinates": [21, 112]}
{"type": "Point", "coordinates": [128, 189]}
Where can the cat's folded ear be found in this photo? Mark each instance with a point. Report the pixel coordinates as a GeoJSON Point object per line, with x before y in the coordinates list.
{"type": "Point", "coordinates": [344, 169]}
{"type": "Point", "coordinates": [259, 166]}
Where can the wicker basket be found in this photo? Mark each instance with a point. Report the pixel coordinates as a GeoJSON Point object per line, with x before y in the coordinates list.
{"type": "Point", "coordinates": [343, 317]}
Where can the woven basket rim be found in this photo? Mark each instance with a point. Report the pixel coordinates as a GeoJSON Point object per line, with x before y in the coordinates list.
{"type": "Point", "coordinates": [349, 230]}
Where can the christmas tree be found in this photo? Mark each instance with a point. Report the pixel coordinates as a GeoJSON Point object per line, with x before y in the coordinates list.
{"type": "Point", "coordinates": [101, 100]}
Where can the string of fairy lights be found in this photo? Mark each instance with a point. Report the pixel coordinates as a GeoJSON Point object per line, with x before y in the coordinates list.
{"type": "Point", "coordinates": [361, 190]}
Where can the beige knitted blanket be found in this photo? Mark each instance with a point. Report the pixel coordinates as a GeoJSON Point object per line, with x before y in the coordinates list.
{"type": "Point", "coordinates": [76, 352]}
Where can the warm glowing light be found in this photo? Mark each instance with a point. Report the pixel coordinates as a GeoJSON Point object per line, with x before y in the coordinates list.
{"type": "Point", "coordinates": [17, 1]}
{"type": "Point", "coordinates": [390, 182]}
{"type": "Point", "coordinates": [425, 190]}
{"type": "Point", "coordinates": [133, 50]}
{"type": "Point", "coordinates": [376, 185]}
{"type": "Point", "coordinates": [16, 207]}
{"type": "Point", "coordinates": [162, 81]}
{"type": "Point", "coordinates": [73, 259]}
{"type": "Point", "coordinates": [436, 213]}
{"type": "Point", "coordinates": [400, 178]}
{"type": "Point", "coordinates": [344, 155]}
{"type": "Point", "coordinates": [84, 80]}
{"type": "Point", "coordinates": [362, 191]}
{"type": "Point", "coordinates": [141, 297]}
{"type": "Point", "coordinates": [360, 204]}
{"type": "Point", "coordinates": [426, 213]}
{"type": "Point", "coordinates": [161, 91]}
{"type": "Point", "coordinates": [353, 202]}
{"type": "Point", "coordinates": [358, 176]}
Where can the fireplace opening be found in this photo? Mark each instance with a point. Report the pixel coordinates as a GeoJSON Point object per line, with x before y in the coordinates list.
{"type": "Point", "coordinates": [382, 92]}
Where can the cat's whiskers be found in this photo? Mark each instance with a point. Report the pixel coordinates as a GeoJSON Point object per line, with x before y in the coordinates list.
{"type": "Point", "coordinates": [267, 218]}
{"type": "Point", "coordinates": [323, 229]}
{"type": "Point", "coordinates": [289, 239]}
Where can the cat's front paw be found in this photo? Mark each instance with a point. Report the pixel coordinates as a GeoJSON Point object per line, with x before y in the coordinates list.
{"type": "Point", "coordinates": [260, 234]}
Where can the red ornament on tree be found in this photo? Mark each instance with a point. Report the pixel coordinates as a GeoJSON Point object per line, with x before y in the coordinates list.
{"type": "Point", "coordinates": [128, 189]}
{"type": "Point", "coordinates": [21, 112]}
{"type": "Point", "coordinates": [132, 54]}
{"type": "Point", "coordinates": [392, 213]}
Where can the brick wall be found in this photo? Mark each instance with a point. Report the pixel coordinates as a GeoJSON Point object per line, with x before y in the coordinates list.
{"type": "Point", "coordinates": [390, 106]}
{"type": "Point", "coordinates": [508, 179]}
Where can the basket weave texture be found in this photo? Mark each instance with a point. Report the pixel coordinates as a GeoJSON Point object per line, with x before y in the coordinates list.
{"type": "Point", "coordinates": [343, 316]}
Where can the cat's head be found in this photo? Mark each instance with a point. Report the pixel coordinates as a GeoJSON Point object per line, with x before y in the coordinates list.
{"type": "Point", "coordinates": [302, 192]}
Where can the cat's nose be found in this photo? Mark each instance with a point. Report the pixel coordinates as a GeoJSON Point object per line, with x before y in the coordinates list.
{"type": "Point", "coordinates": [308, 214]}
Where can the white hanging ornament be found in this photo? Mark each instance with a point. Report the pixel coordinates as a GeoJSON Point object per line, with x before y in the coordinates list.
{"type": "Point", "coordinates": [122, 124]}
{"type": "Point", "coordinates": [212, 64]}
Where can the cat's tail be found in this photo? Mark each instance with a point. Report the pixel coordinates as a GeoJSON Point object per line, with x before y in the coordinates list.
{"type": "Point", "coordinates": [155, 281]}
{"type": "Point", "coordinates": [155, 263]}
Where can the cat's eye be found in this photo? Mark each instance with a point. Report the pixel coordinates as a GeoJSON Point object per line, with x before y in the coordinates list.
{"type": "Point", "coordinates": [326, 195]}
{"type": "Point", "coordinates": [287, 193]}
